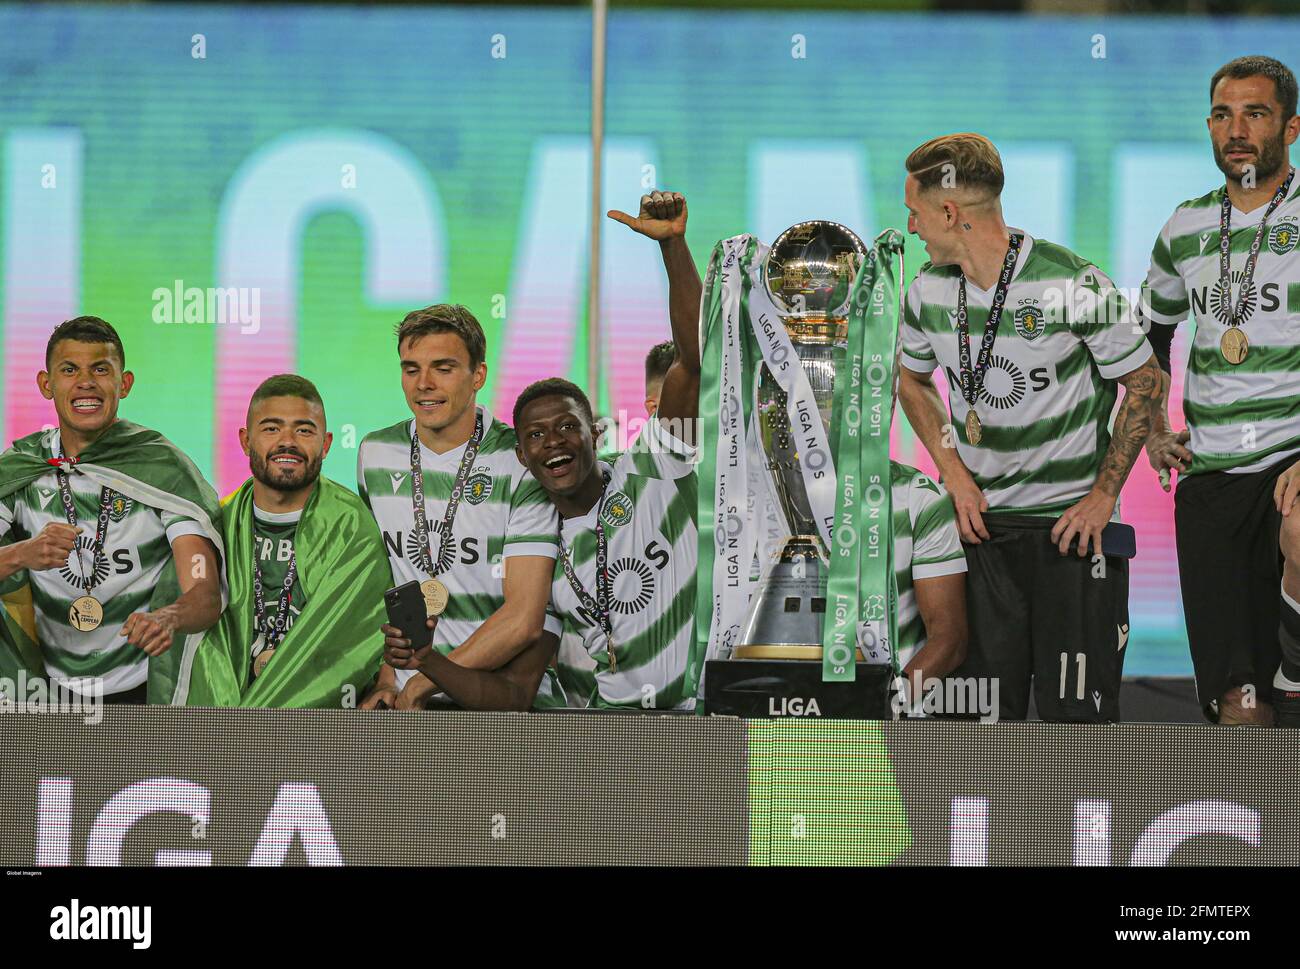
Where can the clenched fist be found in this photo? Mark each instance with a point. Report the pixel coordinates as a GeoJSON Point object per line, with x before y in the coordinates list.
{"type": "Point", "coordinates": [663, 216]}
{"type": "Point", "coordinates": [51, 548]}
{"type": "Point", "coordinates": [151, 631]}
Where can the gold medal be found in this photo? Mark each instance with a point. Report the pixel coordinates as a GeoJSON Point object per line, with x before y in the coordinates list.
{"type": "Point", "coordinates": [86, 614]}
{"type": "Point", "coordinates": [1234, 345]}
{"type": "Point", "coordinates": [259, 664]}
{"type": "Point", "coordinates": [973, 429]}
{"type": "Point", "coordinates": [435, 596]}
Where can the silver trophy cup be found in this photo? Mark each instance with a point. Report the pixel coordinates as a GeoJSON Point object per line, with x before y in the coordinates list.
{"type": "Point", "coordinates": [809, 274]}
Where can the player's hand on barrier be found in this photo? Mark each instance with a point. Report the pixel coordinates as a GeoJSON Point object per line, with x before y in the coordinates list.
{"type": "Point", "coordinates": [1086, 519]}
{"type": "Point", "coordinates": [51, 548]}
{"type": "Point", "coordinates": [970, 503]}
{"type": "Point", "coordinates": [1287, 490]}
{"type": "Point", "coordinates": [380, 698]}
{"type": "Point", "coordinates": [1166, 453]}
{"type": "Point", "coordinates": [662, 216]}
{"type": "Point", "coordinates": [398, 652]}
{"type": "Point", "coordinates": [151, 631]}
{"type": "Point", "coordinates": [416, 693]}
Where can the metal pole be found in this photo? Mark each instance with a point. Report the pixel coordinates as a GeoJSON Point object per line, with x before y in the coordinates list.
{"type": "Point", "coordinates": [594, 341]}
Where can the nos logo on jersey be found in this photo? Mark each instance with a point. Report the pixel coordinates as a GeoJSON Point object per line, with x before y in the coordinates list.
{"type": "Point", "coordinates": [1029, 322]}
{"type": "Point", "coordinates": [119, 507]}
{"type": "Point", "coordinates": [1005, 383]}
{"type": "Point", "coordinates": [1282, 237]}
{"type": "Point", "coordinates": [478, 487]}
{"type": "Point", "coordinates": [617, 510]}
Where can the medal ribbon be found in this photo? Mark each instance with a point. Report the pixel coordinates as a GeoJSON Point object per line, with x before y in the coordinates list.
{"type": "Point", "coordinates": [433, 567]}
{"type": "Point", "coordinates": [972, 380]}
{"type": "Point", "coordinates": [1225, 249]}
{"type": "Point", "coordinates": [106, 496]}
{"type": "Point", "coordinates": [598, 607]}
{"type": "Point", "coordinates": [272, 634]}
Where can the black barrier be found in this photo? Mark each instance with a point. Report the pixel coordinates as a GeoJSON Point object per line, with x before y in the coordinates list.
{"type": "Point", "coordinates": [157, 785]}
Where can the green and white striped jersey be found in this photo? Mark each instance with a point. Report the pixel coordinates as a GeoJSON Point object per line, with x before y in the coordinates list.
{"type": "Point", "coordinates": [503, 512]}
{"type": "Point", "coordinates": [1242, 418]}
{"type": "Point", "coordinates": [575, 668]}
{"type": "Point", "coordinates": [137, 548]}
{"type": "Point", "coordinates": [649, 513]}
{"type": "Point", "coordinates": [1066, 335]}
{"type": "Point", "coordinates": [926, 545]}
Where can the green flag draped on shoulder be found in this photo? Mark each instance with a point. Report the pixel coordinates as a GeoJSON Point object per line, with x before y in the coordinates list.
{"type": "Point", "coordinates": [145, 467]}
{"type": "Point", "coordinates": [335, 642]}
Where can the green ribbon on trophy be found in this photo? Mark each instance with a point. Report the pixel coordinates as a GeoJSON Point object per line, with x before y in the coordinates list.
{"type": "Point", "coordinates": [782, 366]}
{"type": "Point", "coordinates": [862, 594]}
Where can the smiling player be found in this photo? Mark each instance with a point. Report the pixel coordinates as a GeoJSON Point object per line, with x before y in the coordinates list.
{"type": "Point", "coordinates": [457, 510]}
{"type": "Point", "coordinates": [626, 572]}
{"type": "Point", "coordinates": [113, 527]}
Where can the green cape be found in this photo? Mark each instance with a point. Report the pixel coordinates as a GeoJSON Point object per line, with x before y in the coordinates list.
{"type": "Point", "coordinates": [148, 468]}
{"type": "Point", "coordinates": [335, 643]}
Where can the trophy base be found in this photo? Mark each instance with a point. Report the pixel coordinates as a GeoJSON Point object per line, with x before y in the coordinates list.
{"type": "Point", "coordinates": [772, 689]}
{"type": "Point", "coordinates": [783, 651]}
{"type": "Point", "coordinates": [789, 607]}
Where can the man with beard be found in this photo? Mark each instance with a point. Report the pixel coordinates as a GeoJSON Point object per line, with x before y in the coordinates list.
{"type": "Point", "coordinates": [108, 537]}
{"type": "Point", "coordinates": [1230, 258]}
{"type": "Point", "coordinates": [307, 570]}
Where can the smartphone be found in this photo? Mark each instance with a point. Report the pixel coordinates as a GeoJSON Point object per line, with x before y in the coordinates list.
{"type": "Point", "coordinates": [1117, 539]}
{"type": "Point", "coordinates": [406, 611]}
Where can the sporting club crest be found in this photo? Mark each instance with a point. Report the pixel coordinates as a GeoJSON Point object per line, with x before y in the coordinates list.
{"type": "Point", "coordinates": [478, 487]}
{"type": "Point", "coordinates": [1029, 322]}
{"type": "Point", "coordinates": [617, 510]}
{"type": "Point", "coordinates": [1282, 237]}
{"type": "Point", "coordinates": [119, 507]}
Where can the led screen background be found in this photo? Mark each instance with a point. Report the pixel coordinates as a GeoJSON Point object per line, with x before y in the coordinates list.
{"type": "Point", "coordinates": [348, 165]}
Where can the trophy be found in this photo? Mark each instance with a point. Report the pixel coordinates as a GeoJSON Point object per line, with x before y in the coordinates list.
{"type": "Point", "coordinates": [808, 274]}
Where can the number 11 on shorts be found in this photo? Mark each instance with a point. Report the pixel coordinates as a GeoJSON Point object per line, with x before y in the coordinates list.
{"type": "Point", "coordinates": [1081, 661]}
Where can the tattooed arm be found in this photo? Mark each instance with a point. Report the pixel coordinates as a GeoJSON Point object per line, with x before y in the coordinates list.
{"type": "Point", "coordinates": [1137, 416]}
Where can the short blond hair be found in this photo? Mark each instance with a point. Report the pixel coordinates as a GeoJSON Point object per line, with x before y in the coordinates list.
{"type": "Point", "coordinates": [963, 161]}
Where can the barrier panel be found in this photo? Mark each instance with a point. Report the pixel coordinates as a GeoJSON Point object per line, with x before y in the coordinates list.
{"type": "Point", "coordinates": [160, 786]}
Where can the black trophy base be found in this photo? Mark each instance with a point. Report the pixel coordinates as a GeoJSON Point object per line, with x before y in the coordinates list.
{"type": "Point", "coordinates": [769, 688]}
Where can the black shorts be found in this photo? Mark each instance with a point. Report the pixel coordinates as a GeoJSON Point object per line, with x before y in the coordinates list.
{"type": "Point", "coordinates": [1230, 570]}
{"type": "Point", "coordinates": [1035, 615]}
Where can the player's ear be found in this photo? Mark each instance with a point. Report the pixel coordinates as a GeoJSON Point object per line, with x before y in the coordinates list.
{"type": "Point", "coordinates": [43, 384]}
{"type": "Point", "coordinates": [480, 376]}
{"type": "Point", "coordinates": [519, 455]}
{"type": "Point", "coordinates": [1291, 130]}
{"type": "Point", "coordinates": [329, 439]}
{"type": "Point", "coordinates": [243, 440]}
{"type": "Point", "coordinates": [128, 381]}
